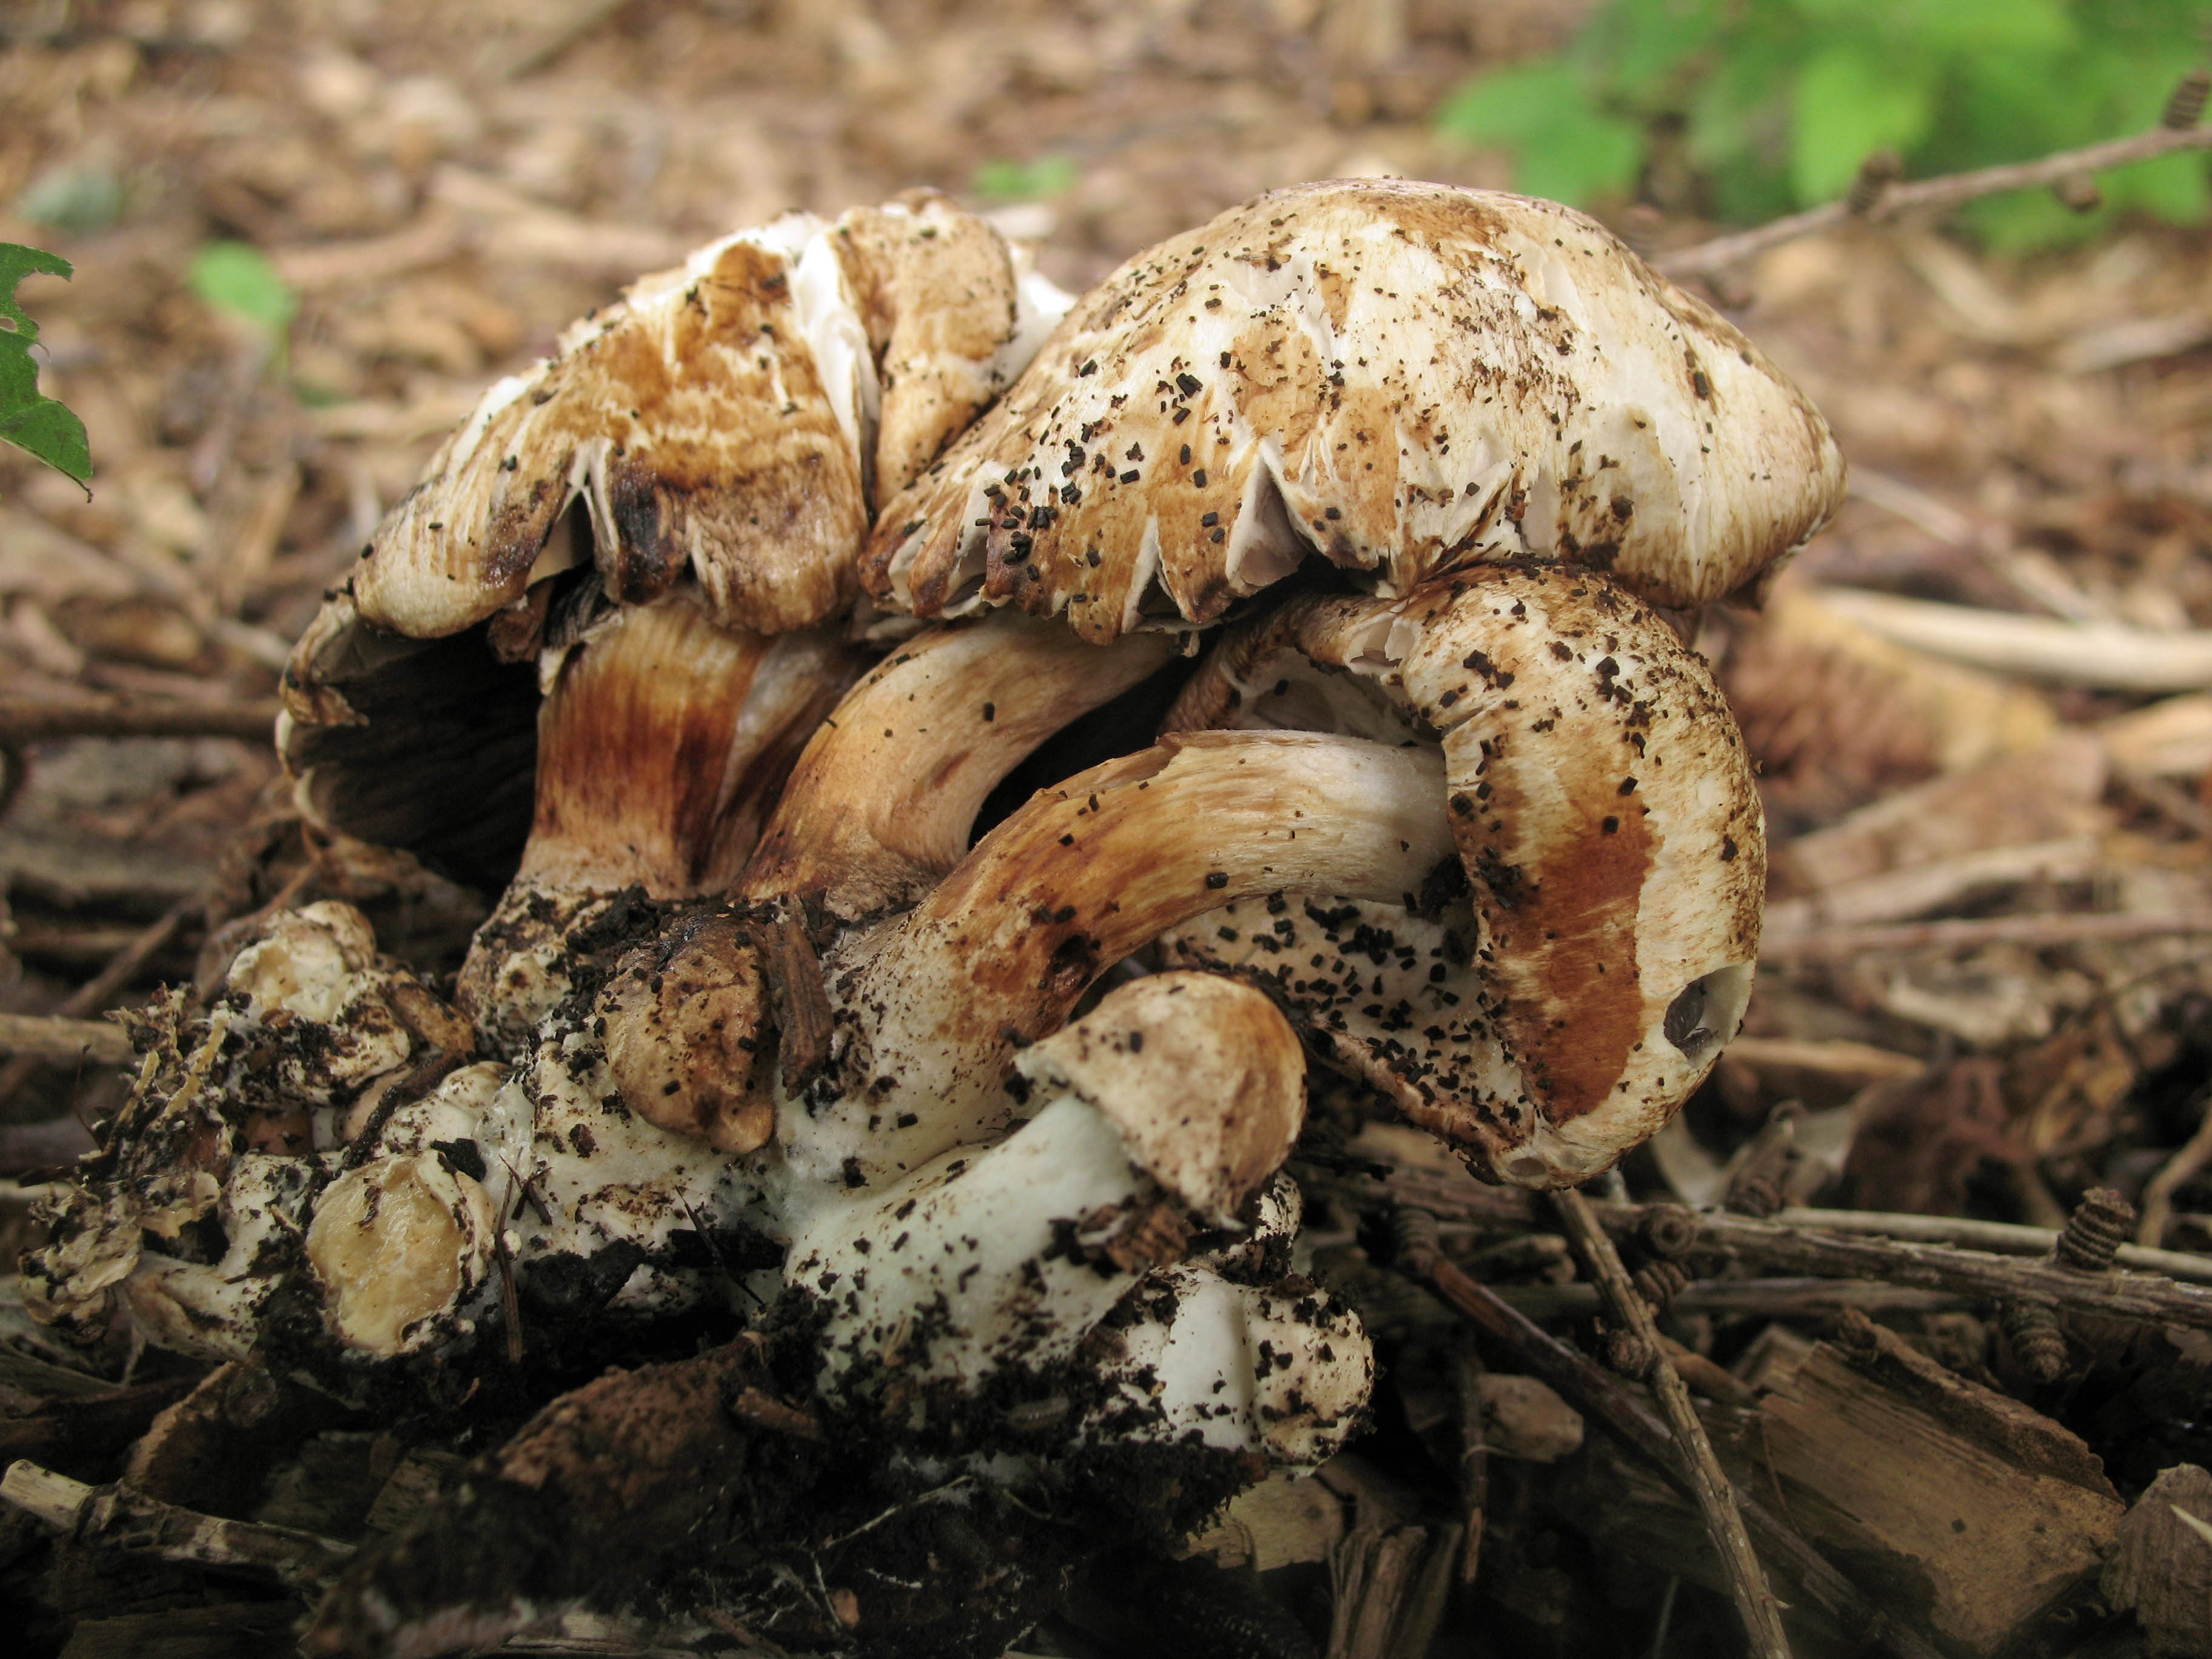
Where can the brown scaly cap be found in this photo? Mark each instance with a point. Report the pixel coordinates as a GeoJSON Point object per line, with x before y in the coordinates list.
{"type": "Point", "coordinates": [1613, 850]}
{"type": "Point", "coordinates": [725, 416]}
{"type": "Point", "coordinates": [1404, 378]}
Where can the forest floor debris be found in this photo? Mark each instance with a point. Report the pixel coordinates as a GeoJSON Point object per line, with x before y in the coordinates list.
{"type": "Point", "coordinates": [1985, 994]}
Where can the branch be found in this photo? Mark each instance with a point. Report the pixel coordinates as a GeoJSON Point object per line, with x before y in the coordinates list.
{"type": "Point", "coordinates": [36, 720]}
{"type": "Point", "coordinates": [1771, 1246]}
{"type": "Point", "coordinates": [1951, 190]}
{"type": "Point", "coordinates": [1602, 1395]}
{"type": "Point", "coordinates": [135, 1524]}
{"type": "Point", "coordinates": [2037, 932]}
{"type": "Point", "coordinates": [1709, 1482]}
{"type": "Point", "coordinates": [37, 1037]}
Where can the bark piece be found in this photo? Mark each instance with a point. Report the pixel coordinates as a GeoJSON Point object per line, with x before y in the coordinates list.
{"type": "Point", "coordinates": [1523, 1418]}
{"type": "Point", "coordinates": [2164, 1567]}
{"type": "Point", "coordinates": [66, 1432]}
{"type": "Point", "coordinates": [1286, 1518]}
{"type": "Point", "coordinates": [1949, 1500]}
{"type": "Point", "coordinates": [213, 1448]}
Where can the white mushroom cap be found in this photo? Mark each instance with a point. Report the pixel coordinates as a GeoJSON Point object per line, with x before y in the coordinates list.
{"type": "Point", "coordinates": [1203, 1077]}
{"type": "Point", "coordinates": [727, 414]}
{"type": "Point", "coordinates": [1405, 378]}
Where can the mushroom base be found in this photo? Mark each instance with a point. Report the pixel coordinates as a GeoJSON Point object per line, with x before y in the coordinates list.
{"type": "Point", "coordinates": [676, 1499]}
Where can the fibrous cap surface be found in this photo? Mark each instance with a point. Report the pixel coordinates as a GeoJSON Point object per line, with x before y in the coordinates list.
{"type": "Point", "coordinates": [1405, 378]}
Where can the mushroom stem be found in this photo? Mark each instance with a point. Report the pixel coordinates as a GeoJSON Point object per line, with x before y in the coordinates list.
{"type": "Point", "coordinates": [1082, 874]}
{"type": "Point", "coordinates": [881, 805]}
{"type": "Point", "coordinates": [664, 740]}
{"type": "Point", "coordinates": [1172, 1105]}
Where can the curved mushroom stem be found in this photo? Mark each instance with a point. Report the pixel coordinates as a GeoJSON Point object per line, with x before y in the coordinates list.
{"type": "Point", "coordinates": [877, 808]}
{"type": "Point", "coordinates": [997, 955]}
{"type": "Point", "coordinates": [881, 805]}
{"type": "Point", "coordinates": [663, 740]}
{"type": "Point", "coordinates": [1609, 829]}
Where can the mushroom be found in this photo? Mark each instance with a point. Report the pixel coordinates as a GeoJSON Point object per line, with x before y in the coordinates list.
{"type": "Point", "coordinates": [1546, 1002]}
{"type": "Point", "coordinates": [726, 427]}
{"type": "Point", "coordinates": [879, 807]}
{"type": "Point", "coordinates": [1513, 882]}
{"type": "Point", "coordinates": [733, 416]}
{"type": "Point", "coordinates": [1402, 378]}
{"type": "Point", "coordinates": [422, 1198]}
{"type": "Point", "coordinates": [753, 997]}
{"type": "Point", "coordinates": [1158, 1119]}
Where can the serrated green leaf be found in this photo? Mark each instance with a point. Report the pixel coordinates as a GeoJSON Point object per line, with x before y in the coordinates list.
{"type": "Point", "coordinates": [33, 423]}
{"type": "Point", "coordinates": [237, 278]}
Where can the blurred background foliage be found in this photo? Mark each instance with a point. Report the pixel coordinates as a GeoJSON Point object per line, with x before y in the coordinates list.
{"type": "Point", "coordinates": [1745, 109]}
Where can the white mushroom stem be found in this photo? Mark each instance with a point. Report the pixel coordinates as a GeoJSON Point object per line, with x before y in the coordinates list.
{"type": "Point", "coordinates": [952, 1273]}
{"type": "Point", "coordinates": [1180, 1093]}
{"type": "Point", "coordinates": [935, 1005]}
{"type": "Point", "coordinates": [881, 803]}
{"type": "Point", "coordinates": [1285, 1372]}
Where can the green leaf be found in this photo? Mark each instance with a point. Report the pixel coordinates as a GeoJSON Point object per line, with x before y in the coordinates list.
{"type": "Point", "coordinates": [236, 278]}
{"type": "Point", "coordinates": [1776, 103]}
{"type": "Point", "coordinates": [1506, 106]}
{"type": "Point", "coordinates": [1850, 104]}
{"type": "Point", "coordinates": [1563, 145]}
{"type": "Point", "coordinates": [1024, 181]}
{"type": "Point", "coordinates": [1963, 26]}
{"type": "Point", "coordinates": [1647, 45]}
{"type": "Point", "coordinates": [30, 421]}
{"type": "Point", "coordinates": [81, 199]}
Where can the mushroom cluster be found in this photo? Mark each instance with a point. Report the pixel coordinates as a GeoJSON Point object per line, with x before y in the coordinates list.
{"type": "Point", "coordinates": [850, 666]}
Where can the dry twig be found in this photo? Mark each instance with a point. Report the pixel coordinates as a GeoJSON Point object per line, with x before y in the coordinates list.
{"type": "Point", "coordinates": [1969, 933]}
{"type": "Point", "coordinates": [1602, 1395]}
{"type": "Point", "coordinates": [93, 993]}
{"type": "Point", "coordinates": [1708, 1482]}
{"type": "Point", "coordinates": [1934, 195]}
{"type": "Point", "coordinates": [2003, 1237]}
{"type": "Point", "coordinates": [39, 719]}
{"type": "Point", "coordinates": [128, 1521]}
{"type": "Point", "coordinates": [1777, 1248]}
{"type": "Point", "coordinates": [33, 1038]}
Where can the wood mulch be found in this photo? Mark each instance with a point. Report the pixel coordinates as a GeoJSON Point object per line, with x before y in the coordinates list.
{"type": "Point", "coordinates": [1945, 1301]}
